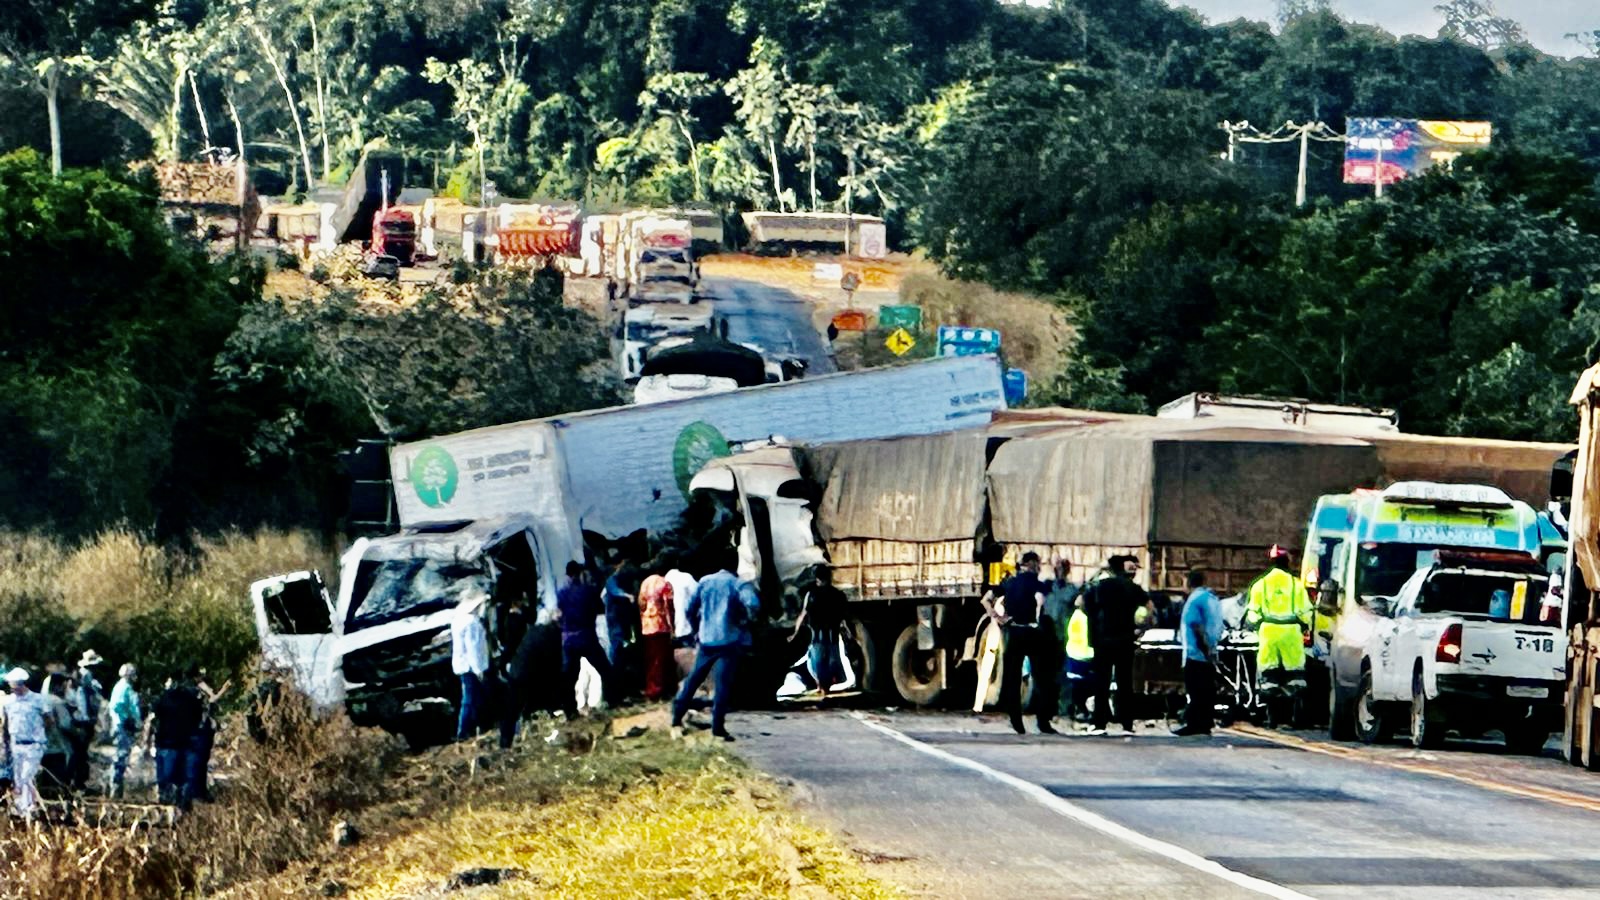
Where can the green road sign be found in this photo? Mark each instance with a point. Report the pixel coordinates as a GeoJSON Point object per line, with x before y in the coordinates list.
{"type": "Point", "coordinates": [907, 317]}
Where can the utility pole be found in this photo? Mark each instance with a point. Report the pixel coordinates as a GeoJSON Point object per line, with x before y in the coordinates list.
{"type": "Point", "coordinates": [1377, 171]}
{"type": "Point", "coordinates": [1300, 180]}
{"type": "Point", "coordinates": [1304, 132]}
{"type": "Point", "coordinates": [849, 190]}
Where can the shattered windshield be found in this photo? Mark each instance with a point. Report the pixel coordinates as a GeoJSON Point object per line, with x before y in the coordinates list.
{"type": "Point", "coordinates": [391, 589]}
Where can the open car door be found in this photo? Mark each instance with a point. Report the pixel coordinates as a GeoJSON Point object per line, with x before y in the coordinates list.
{"type": "Point", "coordinates": [294, 620]}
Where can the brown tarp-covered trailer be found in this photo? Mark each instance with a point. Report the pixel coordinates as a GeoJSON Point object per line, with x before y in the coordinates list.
{"type": "Point", "coordinates": [1520, 469]}
{"type": "Point", "coordinates": [1175, 494]}
{"type": "Point", "coordinates": [900, 517]}
{"type": "Point", "coordinates": [925, 488]}
{"type": "Point", "coordinates": [1133, 482]}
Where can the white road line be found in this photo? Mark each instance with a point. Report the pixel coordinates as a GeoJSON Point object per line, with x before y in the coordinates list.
{"type": "Point", "coordinates": [1096, 821]}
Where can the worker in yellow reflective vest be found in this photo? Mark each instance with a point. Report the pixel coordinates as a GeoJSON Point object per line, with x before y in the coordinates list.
{"type": "Point", "coordinates": [1279, 605]}
{"type": "Point", "coordinates": [1080, 663]}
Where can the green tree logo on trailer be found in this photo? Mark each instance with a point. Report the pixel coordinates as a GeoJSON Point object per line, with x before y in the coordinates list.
{"type": "Point", "coordinates": [698, 443]}
{"type": "Point", "coordinates": [434, 476]}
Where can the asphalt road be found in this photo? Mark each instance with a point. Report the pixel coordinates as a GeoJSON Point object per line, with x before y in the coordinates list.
{"type": "Point", "coordinates": [949, 805]}
{"type": "Point", "coordinates": [776, 321]}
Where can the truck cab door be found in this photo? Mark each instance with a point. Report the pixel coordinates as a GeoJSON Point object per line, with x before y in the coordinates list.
{"type": "Point", "coordinates": [294, 622]}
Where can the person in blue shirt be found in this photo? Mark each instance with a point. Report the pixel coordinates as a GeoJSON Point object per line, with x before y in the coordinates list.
{"type": "Point", "coordinates": [578, 605]}
{"type": "Point", "coordinates": [1200, 631]}
{"type": "Point", "coordinates": [721, 611]}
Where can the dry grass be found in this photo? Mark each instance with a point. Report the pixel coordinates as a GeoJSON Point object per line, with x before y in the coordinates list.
{"type": "Point", "coordinates": [587, 816]}
{"type": "Point", "coordinates": [1036, 335]}
{"type": "Point", "coordinates": [274, 808]}
{"type": "Point", "coordinates": [795, 272]}
{"type": "Point", "coordinates": [136, 601]}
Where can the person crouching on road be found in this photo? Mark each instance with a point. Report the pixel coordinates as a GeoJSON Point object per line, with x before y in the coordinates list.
{"type": "Point", "coordinates": [1024, 602]}
{"type": "Point", "coordinates": [469, 657]}
{"type": "Point", "coordinates": [721, 611]}
{"type": "Point", "coordinates": [25, 717]}
{"type": "Point", "coordinates": [1200, 630]}
{"type": "Point", "coordinates": [655, 637]}
{"type": "Point", "coordinates": [126, 722]}
{"type": "Point", "coordinates": [1280, 605]}
{"type": "Point", "coordinates": [824, 611]}
{"type": "Point", "coordinates": [579, 605]}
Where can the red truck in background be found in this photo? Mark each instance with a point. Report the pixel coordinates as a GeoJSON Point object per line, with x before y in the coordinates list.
{"type": "Point", "coordinates": [394, 233]}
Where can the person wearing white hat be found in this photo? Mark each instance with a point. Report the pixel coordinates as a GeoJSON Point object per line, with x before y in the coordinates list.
{"type": "Point", "coordinates": [87, 698]}
{"type": "Point", "coordinates": [469, 657]}
{"type": "Point", "coordinates": [23, 715]}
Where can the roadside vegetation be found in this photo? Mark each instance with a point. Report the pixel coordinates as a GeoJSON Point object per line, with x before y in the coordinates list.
{"type": "Point", "coordinates": [313, 806]}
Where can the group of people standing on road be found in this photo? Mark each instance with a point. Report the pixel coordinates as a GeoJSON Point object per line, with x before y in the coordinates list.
{"type": "Point", "coordinates": [51, 732]}
{"type": "Point", "coordinates": [624, 630]}
{"type": "Point", "coordinates": [1077, 637]}
{"type": "Point", "coordinates": [1078, 642]}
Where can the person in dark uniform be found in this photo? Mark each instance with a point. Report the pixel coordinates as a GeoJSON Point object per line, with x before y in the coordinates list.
{"type": "Point", "coordinates": [1021, 617]}
{"type": "Point", "coordinates": [1112, 603]}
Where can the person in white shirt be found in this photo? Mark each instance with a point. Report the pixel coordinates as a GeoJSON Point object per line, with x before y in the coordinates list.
{"type": "Point", "coordinates": [683, 585]}
{"type": "Point", "coordinates": [469, 657]}
{"type": "Point", "coordinates": [25, 715]}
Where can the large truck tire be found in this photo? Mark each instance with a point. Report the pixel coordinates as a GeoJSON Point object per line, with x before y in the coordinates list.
{"type": "Point", "coordinates": [874, 674]}
{"type": "Point", "coordinates": [918, 674]}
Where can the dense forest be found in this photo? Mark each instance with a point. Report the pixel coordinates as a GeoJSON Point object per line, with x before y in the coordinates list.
{"type": "Point", "coordinates": [1072, 151]}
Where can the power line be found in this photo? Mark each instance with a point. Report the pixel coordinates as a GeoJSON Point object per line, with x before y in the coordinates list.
{"type": "Point", "coordinates": [1242, 132]}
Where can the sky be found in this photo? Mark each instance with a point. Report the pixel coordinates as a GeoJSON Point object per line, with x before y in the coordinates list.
{"type": "Point", "coordinates": [1545, 20]}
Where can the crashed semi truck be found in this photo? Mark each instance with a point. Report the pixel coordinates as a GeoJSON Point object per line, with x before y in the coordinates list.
{"type": "Point", "coordinates": [505, 508]}
{"type": "Point", "coordinates": [911, 526]}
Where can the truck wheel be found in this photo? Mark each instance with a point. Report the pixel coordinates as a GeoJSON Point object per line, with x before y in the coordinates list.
{"type": "Point", "coordinates": [876, 660]}
{"type": "Point", "coordinates": [1341, 718]}
{"type": "Point", "coordinates": [1372, 726]}
{"type": "Point", "coordinates": [918, 674]}
{"type": "Point", "coordinates": [1427, 731]}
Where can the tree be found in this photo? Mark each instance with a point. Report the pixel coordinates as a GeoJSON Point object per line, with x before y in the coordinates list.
{"type": "Point", "coordinates": [42, 42]}
{"type": "Point", "coordinates": [106, 354]}
{"type": "Point", "coordinates": [1476, 22]}
{"type": "Point", "coordinates": [1290, 10]}
{"type": "Point", "coordinates": [671, 97]}
{"type": "Point", "coordinates": [760, 91]}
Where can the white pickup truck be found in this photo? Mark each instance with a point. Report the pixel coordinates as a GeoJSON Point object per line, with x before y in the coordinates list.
{"type": "Point", "coordinates": [1471, 643]}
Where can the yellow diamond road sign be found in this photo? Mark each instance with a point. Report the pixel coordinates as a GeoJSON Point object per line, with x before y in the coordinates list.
{"type": "Point", "coordinates": [899, 342]}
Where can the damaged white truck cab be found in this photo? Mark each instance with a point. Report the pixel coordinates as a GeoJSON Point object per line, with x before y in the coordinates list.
{"type": "Point", "coordinates": [382, 648]}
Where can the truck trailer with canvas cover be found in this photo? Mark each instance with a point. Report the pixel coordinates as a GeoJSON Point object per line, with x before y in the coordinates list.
{"type": "Point", "coordinates": [908, 526]}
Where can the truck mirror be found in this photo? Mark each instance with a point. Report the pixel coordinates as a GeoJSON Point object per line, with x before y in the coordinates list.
{"type": "Point", "coordinates": [1328, 597]}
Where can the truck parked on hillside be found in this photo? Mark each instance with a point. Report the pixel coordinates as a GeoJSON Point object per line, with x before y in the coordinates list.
{"type": "Point", "coordinates": [505, 508]}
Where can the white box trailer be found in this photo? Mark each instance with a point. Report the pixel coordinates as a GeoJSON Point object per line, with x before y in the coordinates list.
{"type": "Point", "coordinates": [614, 471]}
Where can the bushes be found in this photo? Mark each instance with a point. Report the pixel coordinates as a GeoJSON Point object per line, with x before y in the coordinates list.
{"type": "Point", "coordinates": [276, 808]}
{"type": "Point", "coordinates": [134, 601]}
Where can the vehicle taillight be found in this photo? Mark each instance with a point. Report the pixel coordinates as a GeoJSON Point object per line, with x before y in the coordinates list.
{"type": "Point", "coordinates": [1449, 645]}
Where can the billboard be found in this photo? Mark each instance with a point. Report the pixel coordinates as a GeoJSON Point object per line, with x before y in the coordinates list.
{"type": "Point", "coordinates": [1400, 148]}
